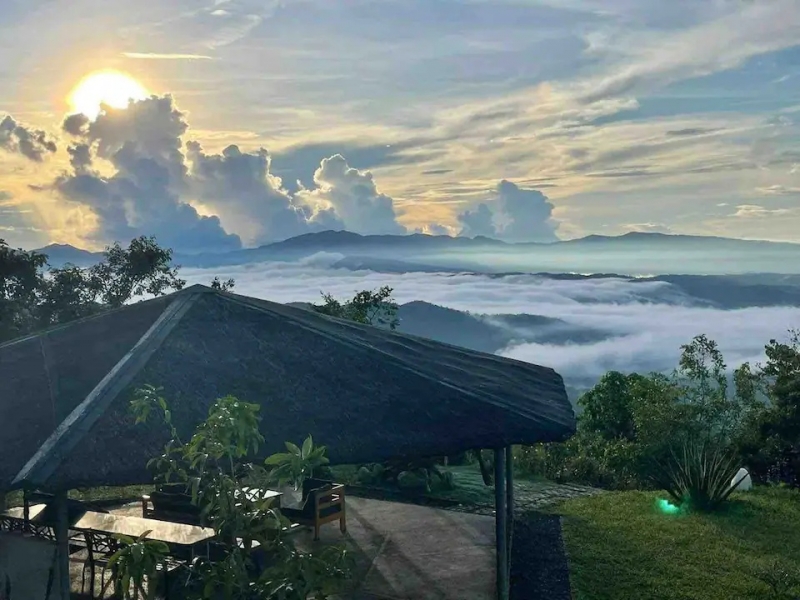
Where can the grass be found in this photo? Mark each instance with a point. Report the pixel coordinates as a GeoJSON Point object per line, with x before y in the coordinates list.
{"type": "Point", "coordinates": [622, 547]}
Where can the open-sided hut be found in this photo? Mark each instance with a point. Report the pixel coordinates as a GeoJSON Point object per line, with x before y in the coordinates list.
{"type": "Point", "coordinates": [366, 393]}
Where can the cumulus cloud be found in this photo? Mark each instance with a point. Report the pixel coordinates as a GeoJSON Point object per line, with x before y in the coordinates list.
{"type": "Point", "coordinates": [650, 320]}
{"type": "Point", "coordinates": [31, 143]}
{"type": "Point", "coordinates": [515, 215]}
{"type": "Point", "coordinates": [477, 222]}
{"type": "Point", "coordinates": [353, 196]}
{"type": "Point", "coordinates": [241, 184]}
{"type": "Point", "coordinates": [166, 185]}
{"type": "Point", "coordinates": [143, 196]}
{"type": "Point", "coordinates": [435, 229]}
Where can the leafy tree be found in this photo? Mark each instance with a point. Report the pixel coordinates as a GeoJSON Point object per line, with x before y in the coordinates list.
{"type": "Point", "coordinates": [143, 268]}
{"type": "Point", "coordinates": [219, 467]}
{"type": "Point", "coordinates": [608, 408]}
{"type": "Point", "coordinates": [223, 286]}
{"type": "Point", "coordinates": [21, 281]}
{"type": "Point", "coordinates": [773, 448]}
{"type": "Point", "coordinates": [34, 296]}
{"type": "Point", "coordinates": [371, 307]}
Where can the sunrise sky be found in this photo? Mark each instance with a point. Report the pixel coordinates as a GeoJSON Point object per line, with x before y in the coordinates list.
{"type": "Point", "coordinates": [522, 119]}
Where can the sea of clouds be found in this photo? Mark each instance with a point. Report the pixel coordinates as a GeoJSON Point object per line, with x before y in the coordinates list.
{"type": "Point", "coordinates": [648, 333]}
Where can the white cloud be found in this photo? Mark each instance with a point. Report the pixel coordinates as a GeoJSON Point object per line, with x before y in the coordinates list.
{"type": "Point", "coordinates": [353, 196]}
{"type": "Point", "coordinates": [650, 331]}
{"type": "Point", "coordinates": [750, 211]}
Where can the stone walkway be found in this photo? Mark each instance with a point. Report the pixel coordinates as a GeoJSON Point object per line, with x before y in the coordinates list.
{"type": "Point", "coordinates": [534, 495]}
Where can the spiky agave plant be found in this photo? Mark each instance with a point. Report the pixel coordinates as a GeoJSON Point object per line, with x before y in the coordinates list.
{"type": "Point", "coordinates": [698, 476]}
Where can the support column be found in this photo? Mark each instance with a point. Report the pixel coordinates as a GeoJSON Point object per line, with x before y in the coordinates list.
{"type": "Point", "coordinates": [501, 523]}
{"type": "Point", "coordinates": [62, 545]}
{"type": "Point", "coordinates": [509, 505]}
{"type": "Point", "coordinates": [26, 511]}
{"type": "Point", "coordinates": [3, 504]}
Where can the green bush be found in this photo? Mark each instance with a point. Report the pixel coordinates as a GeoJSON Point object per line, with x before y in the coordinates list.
{"type": "Point", "coordinates": [628, 423]}
{"type": "Point", "coordinates": [698, 477]}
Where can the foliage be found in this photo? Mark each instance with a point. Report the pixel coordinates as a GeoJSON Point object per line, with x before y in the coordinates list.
{"type": "Point", "coordinates": [21, 281]}
{"type": "Point", "coordinates": [223, 286]}
{"type": "Point", "coordinates": [621, 547]}
{"type": "Point", "coordinates": [776, 443]}
{"type": "Point", "coordinates": [370, 307]}
{"type": "Point", "coordinates": [218, 466]}
{"type": "Point", "coordinates": [35, 296]}
{"type": "Point", "coordinates": [136, 560]}
{"type": "Point", "coordinates": [698, 477]}
{"type": "Point", "coordinates": [298, 464]}
{"type": "Point", "coordinates": [631, 424]}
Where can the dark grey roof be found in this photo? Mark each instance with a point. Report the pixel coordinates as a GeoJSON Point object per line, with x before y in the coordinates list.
{"type": "Point", "coordinates": [366, 393]}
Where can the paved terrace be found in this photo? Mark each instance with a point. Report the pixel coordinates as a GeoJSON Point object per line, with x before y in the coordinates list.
{"type": "Point", "coordinates": [405, 551]}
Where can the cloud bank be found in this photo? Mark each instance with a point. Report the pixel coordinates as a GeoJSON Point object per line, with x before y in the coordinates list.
{"type": "Point", "coordinates": [650, 319]}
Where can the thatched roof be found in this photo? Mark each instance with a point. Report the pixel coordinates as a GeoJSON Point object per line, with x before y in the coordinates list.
{"type": "Point", "coordinates": [366, 393]}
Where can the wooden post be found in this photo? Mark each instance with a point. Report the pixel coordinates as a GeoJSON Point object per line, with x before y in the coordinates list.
{"type": "Point", "coordinates": [62, 545]}
{"type": "Point", "coordinates": [26, 511]}
{"type": "Point", "coordinates": [509, 505]}
{"type": "Point", "coordinates": [501, 523]}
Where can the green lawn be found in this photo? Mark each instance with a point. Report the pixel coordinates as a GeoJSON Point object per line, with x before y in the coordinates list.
{"type": "Point", "coordinates": [622, 547]}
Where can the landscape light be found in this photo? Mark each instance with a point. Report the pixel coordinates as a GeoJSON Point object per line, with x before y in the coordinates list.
{"type": "Point", "coordinates": [667, 507]}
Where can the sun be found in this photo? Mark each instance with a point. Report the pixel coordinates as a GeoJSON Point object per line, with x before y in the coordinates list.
{"type": "Point", "coordinates": [113, 88]}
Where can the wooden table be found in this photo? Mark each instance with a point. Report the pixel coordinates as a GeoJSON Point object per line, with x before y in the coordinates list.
{"type": "Point", "coordinates": [177, 534]}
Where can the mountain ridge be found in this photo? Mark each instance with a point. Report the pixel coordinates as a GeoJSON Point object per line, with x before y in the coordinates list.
{"type": "Point", "coordinates": [333, 240]}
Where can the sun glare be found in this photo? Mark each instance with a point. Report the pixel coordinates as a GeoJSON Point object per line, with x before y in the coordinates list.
{"type": "Point", "coordinates": [104, 87]}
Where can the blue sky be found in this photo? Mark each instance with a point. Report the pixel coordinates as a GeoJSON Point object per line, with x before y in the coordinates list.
{"type": "Point", "coordinates": [676, 116]}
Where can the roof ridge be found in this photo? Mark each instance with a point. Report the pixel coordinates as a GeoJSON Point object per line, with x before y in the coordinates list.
{"type": "Point", "coordinates": [72, 429]}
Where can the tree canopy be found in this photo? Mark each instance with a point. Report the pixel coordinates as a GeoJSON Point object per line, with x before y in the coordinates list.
{"type": "Point", "coordinates": [34, 295]}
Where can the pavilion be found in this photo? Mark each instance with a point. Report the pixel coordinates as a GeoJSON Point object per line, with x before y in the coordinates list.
{"type": "Point", "coordinates": [366, 393]}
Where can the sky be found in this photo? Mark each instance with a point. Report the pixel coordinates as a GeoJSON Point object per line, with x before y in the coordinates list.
{"type": "Point", "coordinates": [526, 120]}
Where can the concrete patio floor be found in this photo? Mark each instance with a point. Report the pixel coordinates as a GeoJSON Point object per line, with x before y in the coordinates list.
{"type": "Point", "coordinates": [402, 551]}
{"type": "Point", "coordinates": [409, 552]}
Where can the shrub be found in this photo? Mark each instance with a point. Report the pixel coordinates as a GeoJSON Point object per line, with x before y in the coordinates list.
{"type": "Point", "coordinates": [698, 476]}
{"type": "Point", "coordinates": [218, 465]}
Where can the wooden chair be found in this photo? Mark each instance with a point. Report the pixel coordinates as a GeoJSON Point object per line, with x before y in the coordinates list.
{"type": "Point", "coordinates": [323, 502]}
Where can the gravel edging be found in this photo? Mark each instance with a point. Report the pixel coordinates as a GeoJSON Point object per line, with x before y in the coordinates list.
{"type": "Point", "coordinates": [539, 564]}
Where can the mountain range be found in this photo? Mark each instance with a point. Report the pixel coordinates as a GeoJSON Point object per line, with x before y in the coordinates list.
{"type": "Point", "coordinates": [415, 246]}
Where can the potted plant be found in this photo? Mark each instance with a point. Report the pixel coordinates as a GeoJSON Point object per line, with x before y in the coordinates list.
{"type": "Point", "coordinates": [290, 469]}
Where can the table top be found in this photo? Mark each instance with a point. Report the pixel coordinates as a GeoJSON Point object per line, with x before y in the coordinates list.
{"type": "Point", "coordinates": [18, 513]}
{"type": "Point", "coordinates": [163, 531]}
